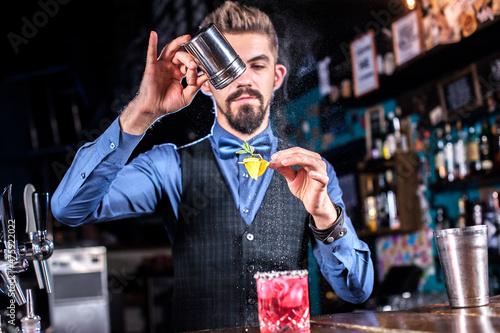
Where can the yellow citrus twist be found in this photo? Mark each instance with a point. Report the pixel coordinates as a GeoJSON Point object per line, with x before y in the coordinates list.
{"type": "Point", "coordinates": [255, 166]}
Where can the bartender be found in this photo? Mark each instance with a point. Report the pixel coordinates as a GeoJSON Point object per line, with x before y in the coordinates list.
{"type": "Point", "coordinates": [224, 225]}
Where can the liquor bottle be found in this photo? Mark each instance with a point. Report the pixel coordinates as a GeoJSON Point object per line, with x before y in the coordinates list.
{"type": "Point", "coordinates": [370, 206]}
{"type": "Point", "coordinates": [473, 157]}
{"type": "Point", "coordinates": [462, 212]}
{"type": "Point", "coordinates": [401, 138]}
{"type": "Point", "coordinates": [439, 160]}
{"type": "Point", "coordinates": [495, 198]}
{"type": "Point", "coordinates": [485, 148]}
{"type": "Point", "coordinates": [496, 143]}
{"type": "Point", "coordinates": [390, 143]}
{"type": "Point", "coordinates": [491, 220]}
{"type": "Point", "coordinates": [477, 213]}
{"type": "Point", "coordinates": [448, 154]}
{"type": "Point", "coordinates": [382, 208]}
{"type": "Point", "coordinates": [378, 142]}
{"type": "Point", "coordinates": [442, 221]}
{"type": "Point", "coordinates": [460, 152]}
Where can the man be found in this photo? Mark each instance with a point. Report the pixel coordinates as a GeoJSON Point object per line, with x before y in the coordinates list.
{"type": "Point", "coordinates": [227, 226]}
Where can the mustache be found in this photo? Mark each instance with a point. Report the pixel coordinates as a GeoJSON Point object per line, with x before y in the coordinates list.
{"type": "Point", "coordinates": [248, 91]}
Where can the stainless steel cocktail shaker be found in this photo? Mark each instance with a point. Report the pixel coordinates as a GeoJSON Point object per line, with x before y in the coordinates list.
{"type": "Point", "coordinates": [215, 56]}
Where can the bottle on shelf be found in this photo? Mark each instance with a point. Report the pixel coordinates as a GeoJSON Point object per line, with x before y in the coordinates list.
{"type": "Point", "coordinates": [496, 143]}
{"type": "Point", "coordinates": [462, 220]}
{"type": "Point", "coordinates": [491, 219]}
{"type": "Point", "coordinates": [442, 221]}
{"type": "Point", "coordinates": [401, 138]}
{"type": "Point", "coordinates": [460, 152]}
{"type": "Point", "coordinates": [392, 208]}
{"type": "Point", "coordinates": [378, 139]}
{"type": "Point", "coordinates": [485, 151]}
{"type": "Point", "coordinates": [370, 206]}
{"type": "Point", "coordinates": [449, 160]}
{"type": "Point", "coordinates": [473, 156]}
{"type": "Point", "coordinates": [390, 143]}
{"type": "Point", "coordinates": [477, 213]}
{"type": "Point", "coordinates": [439, 158]}
{"type": "Point", "coordinates": [382, 208]}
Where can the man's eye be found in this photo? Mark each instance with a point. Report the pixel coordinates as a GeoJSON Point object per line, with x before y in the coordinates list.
{"type": "Point", "coordinates": [257, 66]}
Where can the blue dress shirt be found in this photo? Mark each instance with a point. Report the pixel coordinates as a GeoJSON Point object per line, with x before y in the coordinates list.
{"type": "Point", "coordinates": [101, 186]}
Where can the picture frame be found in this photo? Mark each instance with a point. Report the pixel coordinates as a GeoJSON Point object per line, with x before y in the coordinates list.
{"type": "Point", "coordinates": [460, 93]}
{"type": "Point", "coordinates": [364, 64]}
{"type": "Point", "coordinates": [407, 37]}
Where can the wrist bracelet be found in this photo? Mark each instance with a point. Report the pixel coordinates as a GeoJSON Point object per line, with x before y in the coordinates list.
{"type": "Point", "coordinates": [332, 233]}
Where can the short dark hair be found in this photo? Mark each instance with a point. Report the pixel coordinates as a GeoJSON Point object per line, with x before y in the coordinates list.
{"type": "Point", "coordinates": [232, 17]}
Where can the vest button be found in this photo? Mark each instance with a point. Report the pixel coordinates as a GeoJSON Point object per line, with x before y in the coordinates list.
{"type": "Point", "coordinates": [251, 268]}
{"type": "Point", "coordinates": [251, 301]}
{"type": "Point", "coordinates": [250, 237]}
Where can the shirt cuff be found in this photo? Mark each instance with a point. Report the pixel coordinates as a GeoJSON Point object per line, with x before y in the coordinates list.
{"type": "Point", "coordinates": [340, 251]}
{"type": "Point", "coordinates": [116, 146]}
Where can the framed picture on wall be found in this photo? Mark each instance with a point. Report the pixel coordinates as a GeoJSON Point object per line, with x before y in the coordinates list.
{"type": "Point", "coordinates": [407, 37]}
{"type": "Point", "coordinates": [460, 93]}
{"type": "Point", "coordinates": [364, 64]}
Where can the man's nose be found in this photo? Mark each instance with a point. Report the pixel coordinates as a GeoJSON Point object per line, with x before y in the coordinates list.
{"type": "Point", "coordinates": [244, 80]}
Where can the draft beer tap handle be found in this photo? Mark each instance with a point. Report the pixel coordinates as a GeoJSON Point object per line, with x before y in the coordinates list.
{"type": "Point", "coordinates": [41, 206]}
{"type": "Point", "coordinates": [31, 230]}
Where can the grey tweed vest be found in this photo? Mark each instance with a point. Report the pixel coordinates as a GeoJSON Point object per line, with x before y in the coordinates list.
{"type": "Point", "coordinates": [216, 254]}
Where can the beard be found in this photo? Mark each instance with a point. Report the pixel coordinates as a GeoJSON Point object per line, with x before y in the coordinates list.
{"type": "Point", "coordinates": [247, 118]}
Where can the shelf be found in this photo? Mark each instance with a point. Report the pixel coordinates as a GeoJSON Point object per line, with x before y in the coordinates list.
{"type": "Point", "coordinates": [474, 180]}
{"type": "Point", "coordinates": [363, 234]}
{"type": "Point", "coordinates": [376, 165]}
{"type": "Point", "coordinates": [405, 167]}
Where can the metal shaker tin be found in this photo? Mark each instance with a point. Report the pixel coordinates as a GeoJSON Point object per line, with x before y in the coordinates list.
{"type": "Point", "coordinates": [215, 56]}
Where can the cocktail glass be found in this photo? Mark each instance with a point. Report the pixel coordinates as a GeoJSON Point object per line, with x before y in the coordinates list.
{"type": "Point", "coordinates": [283, 301]}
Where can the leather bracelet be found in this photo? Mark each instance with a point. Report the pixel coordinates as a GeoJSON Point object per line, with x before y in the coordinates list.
{"type": "Point", "coordinates": [332, 233]}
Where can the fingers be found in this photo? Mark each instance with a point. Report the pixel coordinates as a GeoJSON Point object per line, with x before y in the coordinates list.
{"type": "Point", "coordinates": [171, 48]}
{"type": "Point", "coordinates": [311, 162]}
{"type": "Point", "coordinates": [152, 48]}
{"type": "Point", "coordinates": [192, 88]}
{"type": "Point", "coordinates": [300, 157]}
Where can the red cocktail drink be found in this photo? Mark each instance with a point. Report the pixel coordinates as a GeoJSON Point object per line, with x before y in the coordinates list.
{"type": "Point", "coordinates": [283, 301]}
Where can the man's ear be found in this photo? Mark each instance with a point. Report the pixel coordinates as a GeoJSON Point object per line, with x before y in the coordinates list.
{"type": "Point", "coordinates": [205, 88]}
{"type": "Point", "coordinates": [279, 75]}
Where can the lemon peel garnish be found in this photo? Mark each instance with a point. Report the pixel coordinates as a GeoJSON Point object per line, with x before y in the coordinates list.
{"type": "Point", "coordinates": [255, 164]}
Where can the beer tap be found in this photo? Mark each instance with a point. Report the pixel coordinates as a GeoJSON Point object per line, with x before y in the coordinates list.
{"type": "Point", "coordinates": [42, 247]}
{"type": "Point", "coordinates": [14, 257]}
{"type": "Point", "coordinates": [11, 263]}
{"type": "Point", "coordinates": [36, 207]}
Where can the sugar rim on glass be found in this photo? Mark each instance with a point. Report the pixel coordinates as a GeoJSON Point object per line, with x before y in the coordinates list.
{"type": "Point", "coordinates": [291, 274]}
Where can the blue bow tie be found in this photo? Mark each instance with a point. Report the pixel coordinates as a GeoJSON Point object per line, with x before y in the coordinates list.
{"type": "Point", "coordinates": [229, 146]}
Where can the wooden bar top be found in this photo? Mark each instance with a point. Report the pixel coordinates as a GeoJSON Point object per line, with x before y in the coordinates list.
{"type": "Point", "coordinates": [431, 318]}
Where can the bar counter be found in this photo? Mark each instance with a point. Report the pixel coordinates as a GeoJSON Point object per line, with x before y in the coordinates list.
{"type": "Point", "coordinates": [431, 318]}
